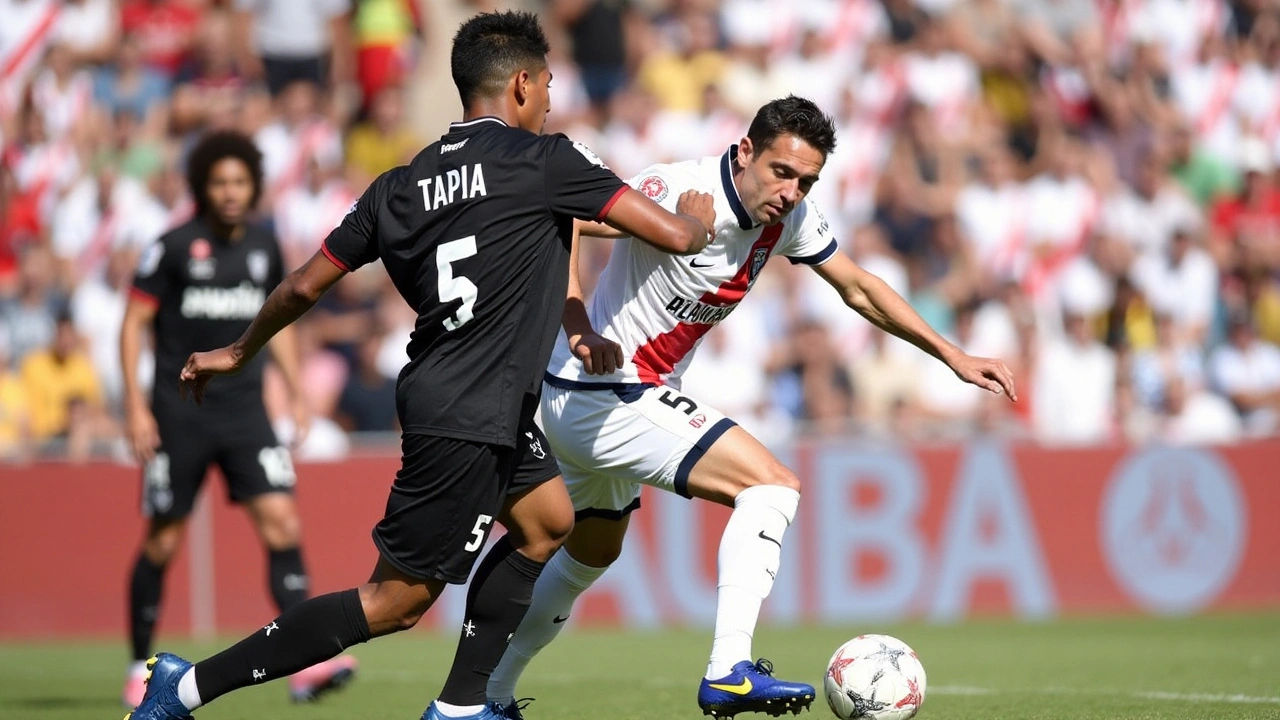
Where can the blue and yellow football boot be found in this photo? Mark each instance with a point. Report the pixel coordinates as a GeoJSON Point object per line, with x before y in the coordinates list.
{"type": "Point", "coordinates": [752, 688]}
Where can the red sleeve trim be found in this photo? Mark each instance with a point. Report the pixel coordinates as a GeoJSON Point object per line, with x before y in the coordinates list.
{"type": "Point", "coordinates": [609, 205]}
{"type": "Point", "coordinates": [324, 248]}
{"type": "Point", "coordinates": [144, 297]}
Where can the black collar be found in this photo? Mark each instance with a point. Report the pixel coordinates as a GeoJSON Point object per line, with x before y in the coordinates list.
{"type": "Point", "coordinates": [476, 121]}
{"type": "Point", "coordinates": [730, 191]}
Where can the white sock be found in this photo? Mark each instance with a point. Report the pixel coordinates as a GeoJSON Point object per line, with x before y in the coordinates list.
{"type": "Point", "coordinates": [749, 556]}
{"type": "Point", "coordinates": [457, 711]}
{"type": "Point", "coordinates": [137, 668]}
{"type": "Point", "coordinates": [558, 587]}
{"type": "Point", "coordinates": [188, 693]}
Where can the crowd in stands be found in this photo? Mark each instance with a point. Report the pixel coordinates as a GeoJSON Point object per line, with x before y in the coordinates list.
{"type": "Point", "coordinates": [1087, 189]}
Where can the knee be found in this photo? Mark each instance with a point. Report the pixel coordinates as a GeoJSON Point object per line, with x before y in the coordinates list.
{"type": "Point", "coordinates": [777, 475]}
{"type": "Point", "coordinates": [280, 529]}
{"type": "Point", "coordinates": [392, 609]}
{"type": "Point", "coordinates": [162, 542]}
{"type": "Point", "coordinates": [550, 536]}
{"type": "Point", "coordinates": [598, 552]}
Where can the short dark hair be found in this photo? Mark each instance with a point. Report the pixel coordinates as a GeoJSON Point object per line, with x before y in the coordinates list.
{"type": "Point", "coordinates": [490, 47]}
{"type": "Point", "coordinates": [793, 115]}
{"type": "Point", "coordinates": [213, 148]}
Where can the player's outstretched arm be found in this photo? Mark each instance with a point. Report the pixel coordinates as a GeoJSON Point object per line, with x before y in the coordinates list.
{"type": "Point", "coordinates": [293, 297]}
{"type": "Point", "coordinates": [872, 298]}
{"type": "Point", "coordinates": [685, 232]}
{"type": "Point", "coordinates": [599, 355]}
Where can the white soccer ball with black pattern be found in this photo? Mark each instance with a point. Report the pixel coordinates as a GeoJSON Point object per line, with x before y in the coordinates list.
{"type": "Point", "coordinates": [875, 676]}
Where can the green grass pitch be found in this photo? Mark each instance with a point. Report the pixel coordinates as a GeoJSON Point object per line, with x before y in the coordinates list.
{"type": "Point", "coordinates": [1218, 667]}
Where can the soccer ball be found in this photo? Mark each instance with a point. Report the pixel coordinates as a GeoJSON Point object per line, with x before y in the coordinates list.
{"type": "Point", "coordinates": [874, 676]}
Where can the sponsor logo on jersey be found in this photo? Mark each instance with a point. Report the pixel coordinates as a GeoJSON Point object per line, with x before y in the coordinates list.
{"type": "Point", "coordinates": [654, 188]}
{"type": "Point", "coordinates": [202, 264]}
{"type": "Point", "coordinates": [259, 263]}
{"type": "Point", "coordinates": [218, 303]}
{"type": "Point", "coordinates": [698, 313]}
{"type": "Point", "coordinates": [450, 147]}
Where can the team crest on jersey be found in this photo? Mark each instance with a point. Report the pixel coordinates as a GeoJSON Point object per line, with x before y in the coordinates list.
{"type": "Point", "coordinates": [654, 188]}
{"type": "Point", "coordinates": [259, 263]}
{"type": "Point", "coordinates": [202, 264]}
{"type": "Point", "coordinates": [758, 258]}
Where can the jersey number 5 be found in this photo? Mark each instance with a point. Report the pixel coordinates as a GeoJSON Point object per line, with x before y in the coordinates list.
{"type": "Point", "coordinates": [452, 287]}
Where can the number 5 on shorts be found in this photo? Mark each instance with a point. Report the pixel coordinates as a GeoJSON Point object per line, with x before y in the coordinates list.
{"type": "Point", "coordinates": [477, 533]}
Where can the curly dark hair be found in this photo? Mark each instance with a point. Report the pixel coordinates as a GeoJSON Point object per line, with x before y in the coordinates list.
{"type": "Point", "coordinates": [211, 149]}
{"type": "Point", "coordinates": [490, 47]}
{"type": "Point", "coordinates": [793, 115]}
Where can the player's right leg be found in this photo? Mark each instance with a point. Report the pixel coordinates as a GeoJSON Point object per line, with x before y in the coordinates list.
{"type": "Point", "coordinates": [437, 518]}
{"type": "Point", "coordinates": [170, 482]}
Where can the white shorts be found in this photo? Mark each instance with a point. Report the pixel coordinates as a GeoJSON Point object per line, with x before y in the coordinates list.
{"type": "Point", "coordinates": [611, 441]}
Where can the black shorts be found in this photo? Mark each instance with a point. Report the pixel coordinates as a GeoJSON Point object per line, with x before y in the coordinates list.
{"type": "Point", "coordinates": [447, 495]}
{"type": "Point", "coordinates": [241, 444]}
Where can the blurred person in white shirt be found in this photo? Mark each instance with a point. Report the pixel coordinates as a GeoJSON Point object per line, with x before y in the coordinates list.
{"type": "Point", "coordinates": [942, 80]}
{"type": "Point", "coordinates": [992, 216]}
{"type": "Point", "coordinates": [1247, 370]}
{"type": "Point", "coordinates": [1074, 386]}
{"type": "Point", "coordinates": [104, 211]}
{"type": "Point", "coordinates": [306, 213]}
{"type": "Point", "coordinates": [97, 308]}
{"type": "Point", "coordinates": [1184, 278]}
{"type": "Point", "coordinates": [301, 133]}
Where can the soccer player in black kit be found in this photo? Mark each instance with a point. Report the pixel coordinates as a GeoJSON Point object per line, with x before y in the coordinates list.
{"type": "Point", "coordinates": [475, 233]}
{"type": "Point", "coordinates": [197, 288]}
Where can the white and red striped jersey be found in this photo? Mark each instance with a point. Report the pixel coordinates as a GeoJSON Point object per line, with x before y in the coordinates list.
{"type": "Point", "coordinates": [659, 306]}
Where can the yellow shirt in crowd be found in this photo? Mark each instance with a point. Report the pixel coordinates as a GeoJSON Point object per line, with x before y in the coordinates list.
{"type": "Point", "coordinates": [51, 386]}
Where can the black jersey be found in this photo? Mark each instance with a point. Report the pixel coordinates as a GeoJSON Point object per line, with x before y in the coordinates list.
{"type": "Point", "coordinates": [206, 291]}
{"type": "Point", "coordinates": [475, 233]}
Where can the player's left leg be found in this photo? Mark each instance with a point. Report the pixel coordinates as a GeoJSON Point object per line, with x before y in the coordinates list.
{"type": "Point", "coordinates": [537, 515]}
{"type": "Point", "coordinates": [260, 476]}
{"type": "Point", "coordinates": [737, 470]}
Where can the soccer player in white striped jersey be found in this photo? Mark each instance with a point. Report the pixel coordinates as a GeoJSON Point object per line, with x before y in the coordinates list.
{"type": "Point", "coordinates": [616, 418]}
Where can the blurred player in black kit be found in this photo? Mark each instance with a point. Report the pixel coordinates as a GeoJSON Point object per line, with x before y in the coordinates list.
{"type": "Point", "coordinates": [197, 288]}
{"type": "Point", "coordinates": [476, 234]}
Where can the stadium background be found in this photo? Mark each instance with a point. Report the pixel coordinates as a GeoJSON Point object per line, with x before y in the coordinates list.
{"type": "Point", "coordinates": [1085, 188]}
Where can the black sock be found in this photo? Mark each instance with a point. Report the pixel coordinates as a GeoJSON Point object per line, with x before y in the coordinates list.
{"type": "Point", "coordinates": [145, 589]}
{"type": "Point", "coordinates": [499, 595]}
{"type": "Point", "coordinates": [311, 632]}
{"type": "Point", "coordinates": [288, 578]}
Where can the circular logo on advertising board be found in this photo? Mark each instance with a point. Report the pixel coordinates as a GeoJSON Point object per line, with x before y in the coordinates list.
{"type": "Point", "coordinates": [1173, 528]}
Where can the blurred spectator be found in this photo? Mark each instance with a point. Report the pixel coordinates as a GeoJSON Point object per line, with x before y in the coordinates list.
{"type": "Point", "coordinates": [597, 32]}
{"type": "Point", "coordinates": [886, 387]}
{"type": "Point", "coordinates": [89, 29]}
{"type": "Point", "coordinates": [301, 133]}
{"type": "Point", "coordinates": [951, 407]}
{"type": "Point", "coordinates": [387, 33]}
{"type": "Point", "coordinates": [64, 394]}
{"type": "Point", "coordinates": [288, 41]}
{"type": "Point", "coordinates": [1204, 177]}
{"type": "Point", "coordinates": [162, 31]}
{"type": "Point", "coordinates": [1074, 386]}
{"type": "Point", "coordinates": [809, 384]}
{"type": "Point", "coordinates": [1184, 279]}
{"type": "Point", "coordinates": [15, 415]}
{"type": "Point", "coordinates": [308, 212]}
{"type": "Point", "coordinates": [98, 306]}
{"type": "Point", "coordinates": [29, 318]}
{"type": "Point", "coordinates": [29, 27]}
{"type": "Point", "coordinates": [104, 211]}
{"type": "Point", "coordinates": [368, 402]}
{"type": "Point", "coordinates": [383, 141]}
{"type": "Point", "coordinates": [128, 85]}
{"type": "Point", "coordinates": [63, 92]}
{"type": "Point", "coordinates": [210, 86]}
{"type": "Point", "coordinates": [1247, 371]}
{"type": "Point", "coordinates": [1246, 227]}
{"type": "Point", "coordinates": [678, 72]}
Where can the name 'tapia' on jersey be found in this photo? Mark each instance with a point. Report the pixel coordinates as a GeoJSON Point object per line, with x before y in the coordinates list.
{"type": "Point", "coordinates": [659, 306]}
{"type": "Point", "coordinates": [206, 291]}
{"type": "Point", "coordinates": [475, 234]}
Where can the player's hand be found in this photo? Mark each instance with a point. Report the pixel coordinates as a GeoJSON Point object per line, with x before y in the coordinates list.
{"type": "Point", "coordinates": [143, 433]}
{"type": "Point", "coordinates": [599, 355]}
{"type": "Point", "coordinates": [202, 366]}
{"type": "Point", "coordinates": [988, 374]}
{"type": "Point", "coordinates": [701, 207]}
{"type": "Point", "coordinates": [301, 422]}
